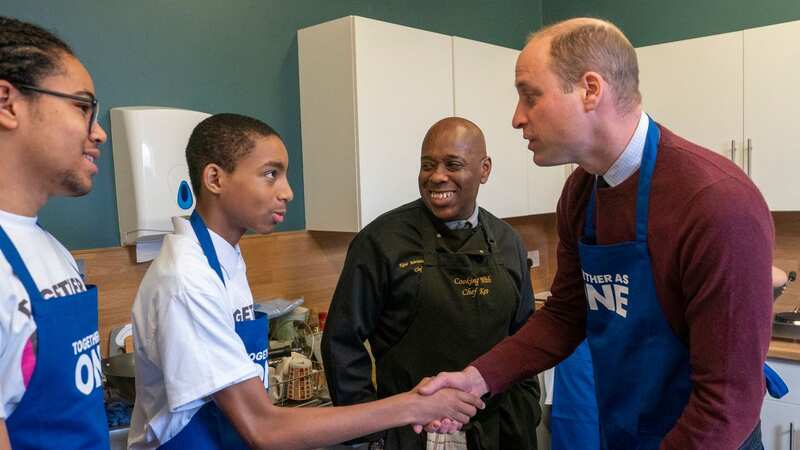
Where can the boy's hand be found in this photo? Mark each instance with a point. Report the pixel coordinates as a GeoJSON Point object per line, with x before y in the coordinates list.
{"type": "Point", "coordinates": [458, 406]}
{"type": "Point", "coordinates": [468, 380]}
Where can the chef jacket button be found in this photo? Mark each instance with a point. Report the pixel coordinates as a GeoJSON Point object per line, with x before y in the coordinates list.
{"type": "Point", "coordinates": [480, 251]}
{"type": "Point", "coordinates": [438, 235]}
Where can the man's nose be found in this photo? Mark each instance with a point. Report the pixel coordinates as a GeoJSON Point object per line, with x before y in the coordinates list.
{"type": "Point", "coordinates": [518, 119]}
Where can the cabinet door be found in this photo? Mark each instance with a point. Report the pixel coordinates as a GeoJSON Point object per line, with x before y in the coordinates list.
{"type": "Point", "coordinates": [771, 63]}
{"type": "Point", "coordinates": [778, 420]}
{"type": "Point", "coordinates": [404, 84]}
{"type": "Point", "coordinates": [694, 88]}
{"type": "Point", "coordinates": [483, 79]}
{"type": "Point", "coordinates": [328, 125]}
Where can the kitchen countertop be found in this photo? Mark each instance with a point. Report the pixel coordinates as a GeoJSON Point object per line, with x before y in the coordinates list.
{"type": "Point", "coordinates": [780, 348]}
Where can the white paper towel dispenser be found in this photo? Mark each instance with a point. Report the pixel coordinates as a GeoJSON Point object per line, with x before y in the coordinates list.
{"type": "Point", "coordinates": [151, 175]}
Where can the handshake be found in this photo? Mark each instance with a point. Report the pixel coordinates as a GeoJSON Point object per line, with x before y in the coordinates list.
{"type": "Point", "coordinates": [448, 400]}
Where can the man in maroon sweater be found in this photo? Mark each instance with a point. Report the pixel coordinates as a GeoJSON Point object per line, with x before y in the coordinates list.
{"type": "Point", "coordinates": [678, 314]}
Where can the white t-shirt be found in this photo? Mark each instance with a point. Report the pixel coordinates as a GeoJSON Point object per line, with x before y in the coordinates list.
{"type": "Point", "coordinates": [184, 334]}
{"type": "Point", "coordinates": [56, 275]}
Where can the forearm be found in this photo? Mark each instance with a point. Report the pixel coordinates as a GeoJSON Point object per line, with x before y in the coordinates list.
{"type": "Point", "coordinates": [540, 344]}
{"type": "Point", "coordinates": [4, 441]}
{"type": "Point", "coordinates": [300, 428]}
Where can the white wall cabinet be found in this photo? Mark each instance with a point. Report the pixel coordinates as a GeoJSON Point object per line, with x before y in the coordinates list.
{"type": "Point", "coordinates": [483, 84]}
{"type": "Point", "coordinates": [780, 418]}
{"type": "Point", "coordinates": [693, 87]}
{"type": "Point", "coordinates": [771, 109]}
{"type": "Point", "coordinates": [733, 91]}
{"type": "Point", "coordinates": [370, 90]}
{"type": "Point", "coordinates": [483, 77]}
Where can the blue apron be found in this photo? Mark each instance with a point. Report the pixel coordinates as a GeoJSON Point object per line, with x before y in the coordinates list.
{"type": "Point", "coordinates": [641, 368]}
{"type": "Point", "coordinates": [209, 428]}
{"type": "Point", "coordinates": [63, 403]}
{"type": "Point", "coordinates": [573, 418]}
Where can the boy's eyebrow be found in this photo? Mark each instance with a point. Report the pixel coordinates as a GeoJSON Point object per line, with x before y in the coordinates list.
{"type": "Point", "coordinates": [86, 94]}
{"type": "Point", "coordinates": [275, 164]}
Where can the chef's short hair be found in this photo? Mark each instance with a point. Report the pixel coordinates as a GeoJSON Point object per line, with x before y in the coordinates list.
{"type": "Point", "coordinates": [222, 139]}
{"type": "Point", "coordinates": [581, 45]}
{"type": "Point", "coordinates": [28, 53]}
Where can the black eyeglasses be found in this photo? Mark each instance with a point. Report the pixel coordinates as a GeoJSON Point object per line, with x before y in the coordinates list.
{"type": "Point", "coordinates": [93, 102]}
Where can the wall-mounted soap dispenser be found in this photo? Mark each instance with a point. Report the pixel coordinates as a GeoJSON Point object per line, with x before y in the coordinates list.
{"type": "Point", "coordinates": [152, 179]}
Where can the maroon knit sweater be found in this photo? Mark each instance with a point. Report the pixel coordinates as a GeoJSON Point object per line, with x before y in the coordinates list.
{"type": "Point", "coordinates": [710, 238]}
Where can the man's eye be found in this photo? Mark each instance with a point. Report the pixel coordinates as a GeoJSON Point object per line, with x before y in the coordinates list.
{"type": "Point", "coordinates": [427, 166]}
{"type": "Point", "coordinates": [271, 174]}
{"type": "Point", "coordinates": [454, 166]}
{"type": "Point", "coordinates": [84, 107]}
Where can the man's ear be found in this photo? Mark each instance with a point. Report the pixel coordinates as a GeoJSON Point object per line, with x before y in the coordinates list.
{"type": "Point", "coordinates": [213, 178]}
{"type": "Point", "coordinates": [486, 169]}
{"type": "Point", "coordinates": [8, 107]}
{"type": "Point", "coordinates": [593, 86]}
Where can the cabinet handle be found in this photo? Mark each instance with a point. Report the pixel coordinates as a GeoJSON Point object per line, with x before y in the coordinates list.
{"type": "Point", "coordinates": [733, 150]}
{"type": "Point", "coordinates": [749, 156]}
{"type": "Point", "coordinates": [791, 436]}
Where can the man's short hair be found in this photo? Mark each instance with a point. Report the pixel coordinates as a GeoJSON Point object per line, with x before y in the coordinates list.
{"type": "Point", "coordinates": [594, 45]}
{"type": "Point", "coordinates": [222, 139]}
{"type": "Point", "coordinates": [28, 53]}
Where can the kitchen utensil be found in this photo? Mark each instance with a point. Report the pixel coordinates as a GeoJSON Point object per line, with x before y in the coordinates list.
{"type": "Point", "coordinates": [277, 386]}
{"type": "Point", "coordinates": [787, 324]}
{"type": "Point", "coordinates": [119, 373]}
{"type": "Point", "coordinates": [301, 386]}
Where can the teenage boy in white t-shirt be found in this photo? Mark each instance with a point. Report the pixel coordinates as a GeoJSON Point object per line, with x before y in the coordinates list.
{"type": "Point", "coordinates": [49, 346]}
{"type": "Point", "coordinates": [199, 346]}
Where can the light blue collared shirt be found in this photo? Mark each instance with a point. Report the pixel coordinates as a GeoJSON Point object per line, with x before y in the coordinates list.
{"type": "Point", "coordinates": [469, 222]}
{"type": "Point", "coordinates": [629, 161]}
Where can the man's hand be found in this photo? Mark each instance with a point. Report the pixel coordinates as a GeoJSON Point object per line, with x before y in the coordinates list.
{"type": "Point", "coordinates": [468, 380]}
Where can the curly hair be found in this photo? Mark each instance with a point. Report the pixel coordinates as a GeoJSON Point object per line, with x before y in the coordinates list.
{"type": "Point", "coordinates": [28, 52]}
{"type": "Point", "coordinates": [222, 139]}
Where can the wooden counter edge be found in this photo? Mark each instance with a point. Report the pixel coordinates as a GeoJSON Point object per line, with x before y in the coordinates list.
{"type": "Point", "coordinates": [784, 350]}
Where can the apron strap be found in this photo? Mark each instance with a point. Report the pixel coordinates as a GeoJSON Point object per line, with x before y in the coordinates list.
{"type": "Point", "coordinates": [588, 226]}
{"type": "Point", "coordinates": [489, 234]}
{"type": "Point", "coordinates": [643, 189]}
{"type": "Point", "coordinates": [646, 179]}
{"type": "Point", "coordinates": [18, 266]}
{"type": "Point", "coordinates": [204, 238]}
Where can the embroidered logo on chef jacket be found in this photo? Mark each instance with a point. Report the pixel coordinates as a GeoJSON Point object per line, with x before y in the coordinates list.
{"type": "Point", "coordinates": [608, 290]}
{"type": "Point", "coordinates": [474, 286]}
{"type": "Point", "coordinates": [416, 264]}
{"type": "Point", "coordinates": [88, 371]}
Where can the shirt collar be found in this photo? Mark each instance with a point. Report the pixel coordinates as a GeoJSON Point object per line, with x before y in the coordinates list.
{"type": "Point", "coordinates": [227, 254]}
{"type": "Point", "coordinates": [472, 220]}
{"type": "Point", "coordinates": [629, 161]}
{"type": "Point", "coordinates": [17, 219]}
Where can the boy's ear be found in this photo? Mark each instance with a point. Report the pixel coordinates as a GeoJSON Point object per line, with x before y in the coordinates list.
{"type": "Point", "coordinates": [213, 178]}
{"type": "Point", "coordinates": [8, 110]}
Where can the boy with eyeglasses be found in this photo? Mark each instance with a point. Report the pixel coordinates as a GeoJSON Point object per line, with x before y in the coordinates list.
{"type": "Point", "coordinates": [50, 383]}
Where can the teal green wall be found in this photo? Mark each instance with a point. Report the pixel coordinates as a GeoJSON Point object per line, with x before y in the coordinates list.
{"type": "Point", "coordinates": [217, 56]}
{"type": "Point", "coordinates": [648, 22]}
